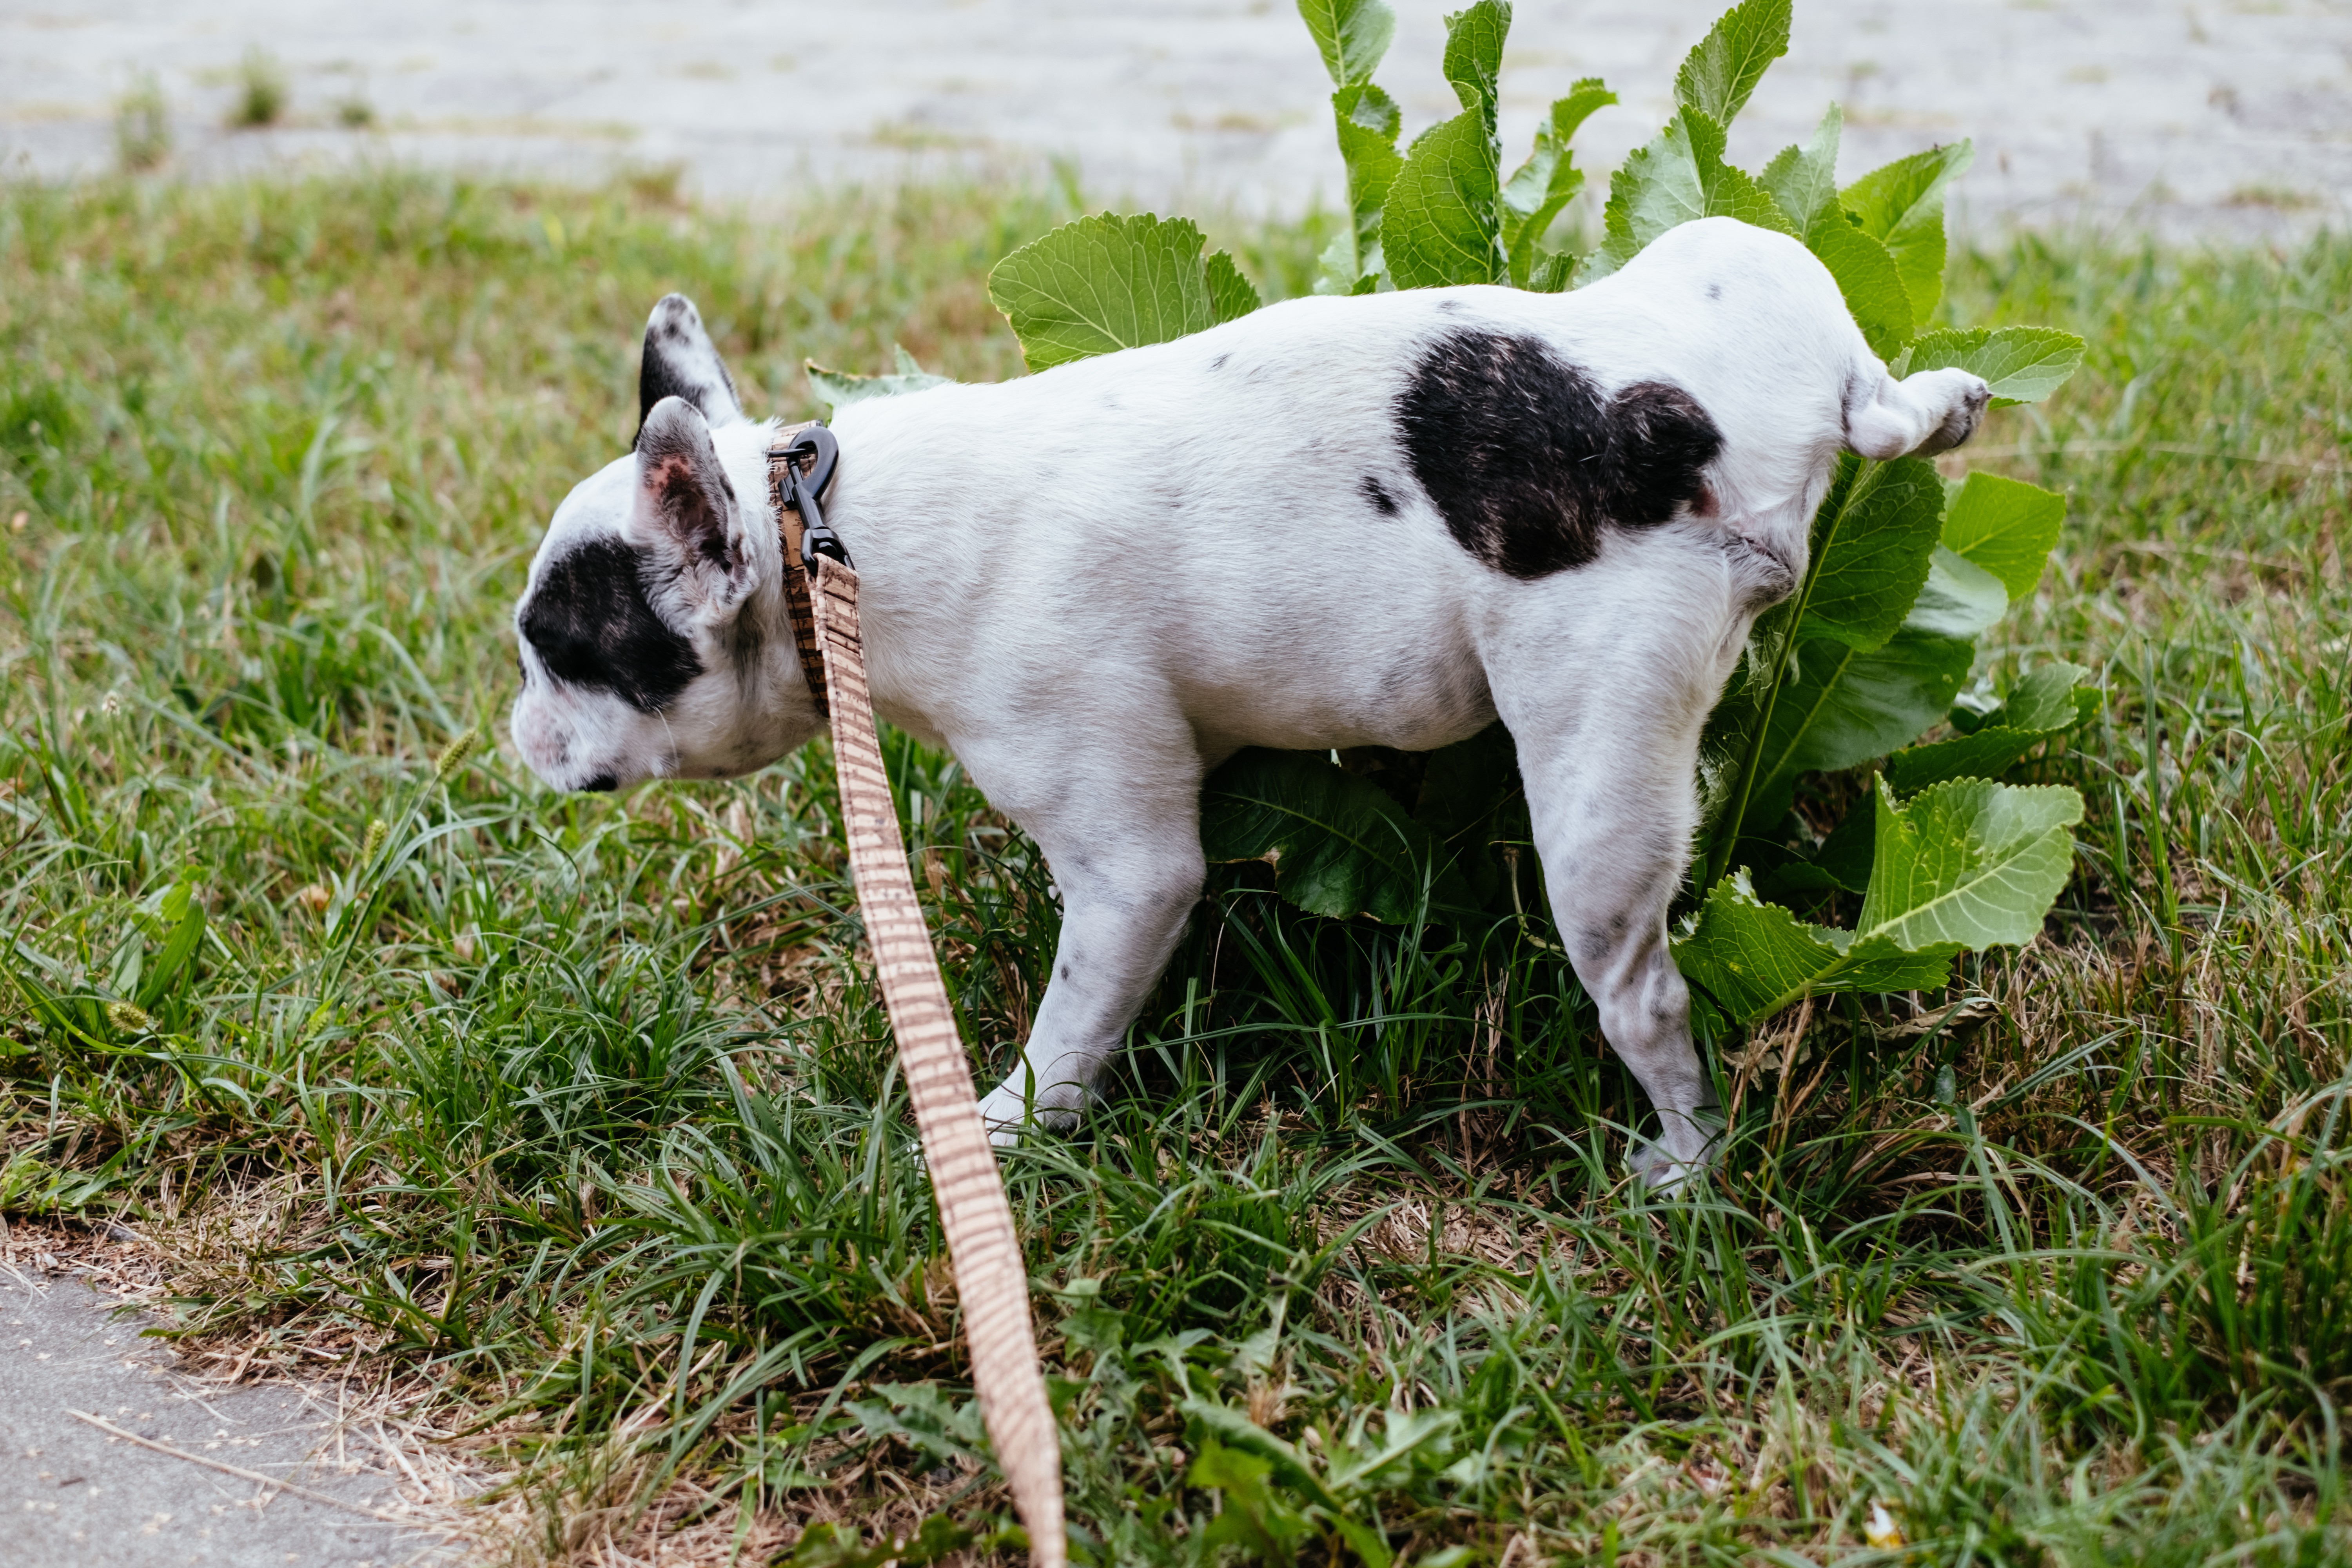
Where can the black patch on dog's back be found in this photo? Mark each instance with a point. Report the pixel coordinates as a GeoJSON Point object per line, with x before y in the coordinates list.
{"type": "Point", "coordinates": [1377, 493]}
{"type": "Point", "coordinates": [591, 626]}
{"type": "Point", "coordinates": [1525, 460]}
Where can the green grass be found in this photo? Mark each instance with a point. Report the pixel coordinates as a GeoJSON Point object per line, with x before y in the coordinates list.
{"type": "Point", "coordinates": [579, 1112]}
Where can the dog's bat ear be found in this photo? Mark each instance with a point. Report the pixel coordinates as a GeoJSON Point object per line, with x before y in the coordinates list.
{"type": "Point", "coordinates": [684, 495]}
{"type": "Point", "coordinates": [680, 360]}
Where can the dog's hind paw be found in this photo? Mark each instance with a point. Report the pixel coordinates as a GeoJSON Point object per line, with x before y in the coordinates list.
{"type": "Point", "coordinates": [1010, 1117]}
{"type": "Point", "coordinates": [1665, 1168]}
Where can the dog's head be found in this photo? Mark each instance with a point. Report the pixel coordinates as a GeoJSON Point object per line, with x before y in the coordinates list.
{"type": "Point", "coordinates": [655, 639]}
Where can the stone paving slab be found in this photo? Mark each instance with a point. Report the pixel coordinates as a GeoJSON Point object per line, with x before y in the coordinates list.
{"type": "Point", "coordinates": [72, 1496]}
{"type": "Point", "coordinates": [2231, 120]}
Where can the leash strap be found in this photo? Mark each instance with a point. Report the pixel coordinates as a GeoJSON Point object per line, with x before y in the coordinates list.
{"type": "Point", "coordinates": [991, 1278]}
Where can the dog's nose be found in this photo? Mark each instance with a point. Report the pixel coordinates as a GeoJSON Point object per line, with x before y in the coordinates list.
{"type": "Point", "coordinates": [602, 783]}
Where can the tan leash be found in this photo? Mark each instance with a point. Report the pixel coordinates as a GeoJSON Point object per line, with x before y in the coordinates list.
{"type": "Point", "coordinates": [991, 1278]}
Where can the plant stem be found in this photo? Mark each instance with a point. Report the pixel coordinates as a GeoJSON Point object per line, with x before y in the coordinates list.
{"type": "Point", "coordinates": [1728, 839]}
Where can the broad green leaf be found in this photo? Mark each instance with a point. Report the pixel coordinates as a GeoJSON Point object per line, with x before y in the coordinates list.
{"type": "Point", "coordinates": [1880, 962]}
{"type": "Point", "coordinates": [1718, 75]}
{"type": "Point", "coordinates": [838, 389]}
{"type": "Point", "coordinates": [1111, 282]}
{"type": "Point", "coordinates": [1366, 120]}
{"type": "Point", "coordinates": [1341, 847]}
{"type": "Point", "coordinates": [1752, 957]}
{"type": "Point", "coordinates": [1838, 708]}
{"type": "Point", "coordinates": [2041, 707]}
{"type": "Point", "coordinates": [1969, 861]}
{"type": "Point", "coordinates": [1679, 176]}
{"type": "Point", "coordinates": [1756, 958]}
{"type": "Point", "coordinates": [1959, 599]}
{"type": "Point", "coordinates": [1548, 181]}
{"type": "Point", "coordinates": [1874, 550]}
{"type": "Point", "coordinates": [1439, 227]}
{"type": "Point", "coordinates": [1985, 754]}
{"type": "Point", "coordinates": [2044, 700]}
{"type": "Point", "coordinates": [1803, 180]}
{"type": "Point", "coordinates": [1902, 205]}
{"type": "Point", "coordinates": [1868, 278]}
{"type": "Point", "coordinates": [1473, 55]}
{"type": "Point", "coordinates": [2022, 365]}
{"type": "Point", "coordinates": [1352, 36]}
{"type": "Point", "coordinates": [1967, 864]}
{"type": "Point", "coordinates": [2005, 526]}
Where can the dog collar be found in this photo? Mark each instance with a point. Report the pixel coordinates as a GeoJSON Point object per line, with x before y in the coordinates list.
{"type": "Point", "coordinates": [801, 463]}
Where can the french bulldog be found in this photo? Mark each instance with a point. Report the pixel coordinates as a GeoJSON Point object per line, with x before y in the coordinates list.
{"type": "Point", "coordinates": [1383, 520]}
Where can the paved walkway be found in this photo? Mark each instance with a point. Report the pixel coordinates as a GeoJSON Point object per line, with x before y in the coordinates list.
{"type": "Point", "coordinates": [72, 1496]}
{"type": "Point", "coordinates": [2222, 118]}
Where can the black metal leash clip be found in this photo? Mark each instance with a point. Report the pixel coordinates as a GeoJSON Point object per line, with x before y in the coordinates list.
{"type": "Point", "coordinates": [802, 491]}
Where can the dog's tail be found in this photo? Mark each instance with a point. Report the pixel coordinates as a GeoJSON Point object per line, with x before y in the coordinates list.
{"type": "Point", "coordinates": [1930, 412]}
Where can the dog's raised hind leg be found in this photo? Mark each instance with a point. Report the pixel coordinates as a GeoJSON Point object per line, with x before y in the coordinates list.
{"type": "Point", "coordinates": [1121, 829]}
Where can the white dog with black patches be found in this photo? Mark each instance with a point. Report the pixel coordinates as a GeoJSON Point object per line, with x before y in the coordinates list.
{"type": "Point", "coordinates": [1375, 521]}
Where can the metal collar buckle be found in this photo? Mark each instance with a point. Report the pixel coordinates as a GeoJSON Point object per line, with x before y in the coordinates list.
{"type": "Point", "coordinates": [802, 492]}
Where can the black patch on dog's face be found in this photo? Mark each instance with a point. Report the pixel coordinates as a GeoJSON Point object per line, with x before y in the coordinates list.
{"type": "Point", "coordinates": [591, 626]}
{"type": "Point", "coordinates": [1382, 502]}
{"type": "Point", "coordinates": [1525, 460]}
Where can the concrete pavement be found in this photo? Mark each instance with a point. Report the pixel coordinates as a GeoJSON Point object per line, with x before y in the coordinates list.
{"type": "Point", "coordinates": [2211, 118]}
{"type": "Point", "coordinates": [73, 1497]}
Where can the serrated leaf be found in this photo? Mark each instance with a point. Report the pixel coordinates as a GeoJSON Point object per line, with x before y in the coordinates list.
{"type": "Point", "coordinates": [2021, 365]}
{"type": "Point", "coordinates": [1680, 175]}
{"type": "Point", "coordinates": [1231, 295]}
{"type": "Point", "coordinates": [1365, 121]}
{"type": "Point", "coordinates": [1803, 180]}
{"type": "Point", "coordinates": [838, 389]}
{"type": "Point", "coordinates": [1474, 57]}
{"type": "Point", "coordinates": [1439, 227]}
{"type": "Point", "coordinates": [1880, 962]}
{"type": "Point", "coordinates": [2044, 699]}
{"type": "Point", "coordinates": [1965, 865]}
{"type": "Point", "coordinates": [1547, 182]}
{"type": "Point", "coordinates": [1341, 847]}
{"type": "Point", "coordinates": [1352, 36]}
{"type": "Point", "coordinates": [1875, 546]}
{"type": "Point", "coordinates": [1969, 861]}
{"type": "Point", "coordinates": [1960, 599]}
{"type": "Point", "coordinates": [1985, 754]}
{"type": "Point", "coordinates": [1902, 205]}
{"type": "Point", "coordinates": [1752, 957]}
{"type": "Point", "coordinates": [2041, 706]}
{"type": "Point", "coordinates": [1109, 282]}
{"type": "Point", "coordinates": [1717, 77]}
{"type": "Point", "coordinates": [1868, 278]}
{"type": "Point", "coordinates": [2005, 526]}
